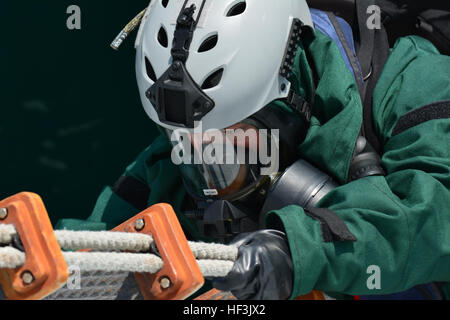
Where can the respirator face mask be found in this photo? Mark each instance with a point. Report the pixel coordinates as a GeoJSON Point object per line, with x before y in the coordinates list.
{"type": "Point", "coordinates": [233, 197]}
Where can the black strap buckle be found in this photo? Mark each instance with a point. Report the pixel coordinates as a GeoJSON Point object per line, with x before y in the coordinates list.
{"type": "Point", "coordinates": [299, 104]}
{"type": "Point", "coordinates": [221, 220]}
{"type": "Point", "coordinates": [184, 33]}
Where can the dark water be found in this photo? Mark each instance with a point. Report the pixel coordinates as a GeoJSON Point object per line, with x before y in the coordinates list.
{"type": "Point", "coordinates": [70, 115]}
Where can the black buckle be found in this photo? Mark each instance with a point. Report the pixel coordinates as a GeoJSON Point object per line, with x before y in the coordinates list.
{"type": "Point", "coordinates": [299, 104]}
{"type": "Point", "coordinates": [184, 33]}
{"type": "Point", "coordinates": [221, 220]}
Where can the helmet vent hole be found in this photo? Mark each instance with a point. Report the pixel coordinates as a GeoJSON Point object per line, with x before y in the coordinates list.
{"type": "Point", "coordinates": [213, 80]}
{"type": "Point", "coordinates": [165, 3]}
{"type": "Point", "coordinates": [237, 9]}
{"type": "Point", "coordinates": [150, 71]}
{"type": "Point", "coordinates": [162, 38]}
{"type": "Point", "coordinates": [209, 43]}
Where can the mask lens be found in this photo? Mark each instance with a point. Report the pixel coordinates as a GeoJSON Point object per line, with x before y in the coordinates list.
{"type": "Point", "coordinates": [218, 164]}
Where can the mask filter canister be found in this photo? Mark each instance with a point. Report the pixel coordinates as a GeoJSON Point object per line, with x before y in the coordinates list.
{"type": "Point", "coordinates": [301, 184]}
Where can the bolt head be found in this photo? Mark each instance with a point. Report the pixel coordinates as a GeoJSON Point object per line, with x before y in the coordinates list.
{"type": "Point", "coordinates": [27, 277]}
{"type": "Point", "coordinates": [165, 283]}
{"type": "Point", "coordinates": [3, 213]}
{"type": "Point", "coordinates": [139, 224]}
{"type": "Point", "coordinates": [208, 105]}
{"type": "Point", "coordinates": [176, 66]}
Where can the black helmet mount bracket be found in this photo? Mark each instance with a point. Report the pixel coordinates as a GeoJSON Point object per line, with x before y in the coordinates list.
{"type": "Point", "coordinates": [177, 99]}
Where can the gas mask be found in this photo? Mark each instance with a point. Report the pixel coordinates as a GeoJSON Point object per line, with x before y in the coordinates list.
{"type": "Point", "coordinates": [229, 172]}
{"type": "Point", "coordinates": [300, 184]}
{"type": "Point", "coordinates": [235, 198]}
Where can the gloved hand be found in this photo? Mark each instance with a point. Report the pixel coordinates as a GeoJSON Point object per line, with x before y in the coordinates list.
{"type": "Point", "coordinates": [263, 269]}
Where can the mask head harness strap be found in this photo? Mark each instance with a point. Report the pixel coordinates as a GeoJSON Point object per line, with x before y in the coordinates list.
{"type": "Point", "coordinates": [177, 99]}
{"type": "Point", "coordinates": [299, 105]}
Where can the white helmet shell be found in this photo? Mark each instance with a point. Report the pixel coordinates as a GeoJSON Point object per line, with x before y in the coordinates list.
{"type": "Point", "coordinates": [245, 40]}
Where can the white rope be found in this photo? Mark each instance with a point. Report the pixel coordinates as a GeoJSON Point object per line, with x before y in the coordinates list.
{"type": "Point", "coordinates": [111, 262]}
{"type": "Point", "coordinates": [215, 260]}
{"type": "Point", "coordinates": [11, 258]}
{"type": "Point", "coordinates": [213, 251]}
{"type": "Point", "coordinates": [123, 241]}
{"type": "Point", "coordinates": [103, 240]}
{"type": "Point", "coordinates": [7, 233]}
{"type": "Point", "coordinates": [134, 262]}
{"type": "Point", "coordinates": [215, 268]}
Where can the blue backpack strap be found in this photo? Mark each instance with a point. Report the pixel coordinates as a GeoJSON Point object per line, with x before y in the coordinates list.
{"type": "Point", "coordinates": [348, 45]}
{"type": "Point", "coordinates": [341, 33]}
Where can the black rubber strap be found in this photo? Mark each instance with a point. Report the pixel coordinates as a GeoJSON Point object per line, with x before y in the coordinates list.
{"type": "Point", "coordinates": [365, 49]}
{"type": "Point", "coordinates": [372, 51]}
{"type": "Point", "coordinates": [332, 226]}
{"type": "Point", "coordinates": [437, 110]}
{"type": "Point", "coordinates": [378, 61]}
{"type": "Point", "coordinates": [132, 191]}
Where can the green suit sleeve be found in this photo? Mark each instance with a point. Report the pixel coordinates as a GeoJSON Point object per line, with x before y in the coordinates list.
{"type": "Point", "coordinates": [406, 235]}
{"type": "Point", "coordinates": [401, 221]}
{"type": "Point", "coordinates": [154, 168]}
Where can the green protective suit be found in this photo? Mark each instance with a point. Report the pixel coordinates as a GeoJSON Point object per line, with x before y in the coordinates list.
{"type": "Point", "coordinates": [401, 221]}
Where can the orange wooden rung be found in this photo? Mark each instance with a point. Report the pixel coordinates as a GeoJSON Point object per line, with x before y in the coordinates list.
{"type": "Point", "coordinates": [45, 269]}
{"type": "Point", "coordinates": [180, 276]}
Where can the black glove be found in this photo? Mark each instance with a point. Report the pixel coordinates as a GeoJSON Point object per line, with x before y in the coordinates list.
{"type": "Point", "coordinates": [263, 269]}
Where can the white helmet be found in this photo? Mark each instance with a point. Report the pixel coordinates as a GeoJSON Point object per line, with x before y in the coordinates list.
{"type": "Point", "coordinates": [219, 61]}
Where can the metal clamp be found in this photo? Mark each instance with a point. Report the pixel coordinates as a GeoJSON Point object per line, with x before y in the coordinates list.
{"type": "Point", "coordinates": [180, 276]}
{"type": "Point", "coordinates": [45, 269]}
